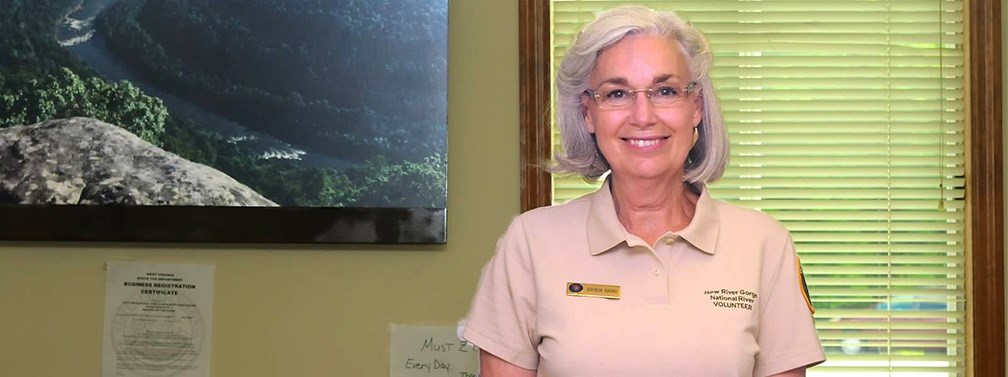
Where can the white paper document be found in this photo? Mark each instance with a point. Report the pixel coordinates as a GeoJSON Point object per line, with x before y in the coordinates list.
{"type": "Point", "coordinates": [157, 320]}
{"type": "Point", "coordinates": [431, 351]}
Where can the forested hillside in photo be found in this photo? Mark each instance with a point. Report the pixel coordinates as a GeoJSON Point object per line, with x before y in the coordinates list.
{"type": "Point", "coordinates": [362, 83]}
{"type": "Point", "coordinates": [363, 78]}
{"type": "Point", "coordinates": [39, 80]}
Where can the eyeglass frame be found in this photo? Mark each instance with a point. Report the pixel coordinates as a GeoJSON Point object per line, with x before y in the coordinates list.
{"type": "Point", "coordinates": [648, 92]}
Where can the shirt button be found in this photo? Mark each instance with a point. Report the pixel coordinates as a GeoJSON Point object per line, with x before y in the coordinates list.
{"type": "Point", "coordinates": [656, 271]}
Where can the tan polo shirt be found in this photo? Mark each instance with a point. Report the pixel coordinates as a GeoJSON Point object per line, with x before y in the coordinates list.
{"type": "Point", "coordinates": [722, 297]}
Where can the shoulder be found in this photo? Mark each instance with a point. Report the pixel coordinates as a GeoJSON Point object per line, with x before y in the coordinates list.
{"type": "Point", "coordinates": [744, 228]}
{"type": "Point", "coordinates": [736, 217]}
{"type": "Point", "coordinates": [534, 238]}
{"type": "Point", "coordinates": [556, 218]}
{"type": "Point", "coordinates": [554, 227]}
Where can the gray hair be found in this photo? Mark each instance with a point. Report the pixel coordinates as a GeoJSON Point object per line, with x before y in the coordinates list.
{"type": "Point", "coordinates": [707, 160]}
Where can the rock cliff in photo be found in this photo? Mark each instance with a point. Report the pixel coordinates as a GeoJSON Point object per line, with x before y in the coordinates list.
{"type": "Point", "coordinates": [86, 161]}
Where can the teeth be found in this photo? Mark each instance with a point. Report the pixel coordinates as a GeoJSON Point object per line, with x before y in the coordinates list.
{"type": "Point", "coordinates": [643, 143]}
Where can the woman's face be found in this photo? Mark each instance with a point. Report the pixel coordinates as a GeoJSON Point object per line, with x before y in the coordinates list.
{"type": "Point", "coordinates": [643, 140]}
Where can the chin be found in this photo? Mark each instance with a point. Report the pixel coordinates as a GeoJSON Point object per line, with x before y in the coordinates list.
{"type": "Point", "coordinates": [646, 172]}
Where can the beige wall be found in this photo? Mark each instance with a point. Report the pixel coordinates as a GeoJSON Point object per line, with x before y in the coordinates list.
{"type": "Point", "coordinates": [305, 311]}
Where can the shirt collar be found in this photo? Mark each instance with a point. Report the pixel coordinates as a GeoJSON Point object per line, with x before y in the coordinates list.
{"type": "Point", "coordinates": [606, 232]}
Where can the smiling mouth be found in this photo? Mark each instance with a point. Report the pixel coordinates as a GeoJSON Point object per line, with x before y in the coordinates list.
{"type": "Point", "coordinates": [644, 143]}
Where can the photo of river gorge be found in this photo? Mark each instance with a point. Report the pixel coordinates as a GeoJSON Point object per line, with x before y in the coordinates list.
{"type": "Point", "coordinates": [224, 103]}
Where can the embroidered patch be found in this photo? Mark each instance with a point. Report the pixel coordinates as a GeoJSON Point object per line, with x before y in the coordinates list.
{"type": "Point", "coordinates": [732, 298]}
{"type": "Point", "coordinates": [804, 287]}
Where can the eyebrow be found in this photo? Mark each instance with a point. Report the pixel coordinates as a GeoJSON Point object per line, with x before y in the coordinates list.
{"type": "Point", "coordinates": [663, 78]}
{"type": "Point", "coordinates": [623, 81]}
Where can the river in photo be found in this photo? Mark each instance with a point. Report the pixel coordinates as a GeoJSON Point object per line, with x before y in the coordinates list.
{"type": "Point", "coordinates": [77, 34]}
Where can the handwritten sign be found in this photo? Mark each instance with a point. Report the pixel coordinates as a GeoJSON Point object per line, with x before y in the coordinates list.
{"type": "Point", "coordinates": [431, 351]}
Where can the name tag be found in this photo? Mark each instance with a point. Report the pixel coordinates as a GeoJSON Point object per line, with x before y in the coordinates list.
{"type": "Point", "coordinates": [593, 290]}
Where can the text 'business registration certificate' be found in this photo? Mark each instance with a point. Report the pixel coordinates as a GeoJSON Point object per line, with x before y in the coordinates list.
{"type": "Point", "coordinates": [157, 320]}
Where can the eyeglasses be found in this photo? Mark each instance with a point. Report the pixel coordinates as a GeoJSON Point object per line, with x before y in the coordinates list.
{"type": "Point", "coordinates": [619, 98]}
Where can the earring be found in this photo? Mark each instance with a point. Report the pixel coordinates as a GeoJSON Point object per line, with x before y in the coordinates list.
{"type": "Point", "coordinates": [696, 135]}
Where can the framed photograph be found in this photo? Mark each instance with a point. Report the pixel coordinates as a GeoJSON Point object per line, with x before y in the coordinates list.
{"type": "Point", "coordinates": [277, 121]}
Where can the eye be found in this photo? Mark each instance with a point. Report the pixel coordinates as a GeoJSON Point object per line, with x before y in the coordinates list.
{"type": "Point", "coordinates": [665, 91]}
{"type": "Point", "coordinates": [617, 93]}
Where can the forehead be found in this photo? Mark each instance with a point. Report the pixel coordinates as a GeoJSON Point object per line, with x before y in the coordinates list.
{"type": "Point", "coordinates": [639, 60]}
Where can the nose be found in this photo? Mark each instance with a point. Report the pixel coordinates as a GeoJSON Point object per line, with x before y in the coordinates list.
{"type": "Point", "coordinates": [642, 111]}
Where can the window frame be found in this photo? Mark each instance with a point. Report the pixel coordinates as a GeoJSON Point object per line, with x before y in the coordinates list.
{"type": "Point", "coordinates": [984, 181]}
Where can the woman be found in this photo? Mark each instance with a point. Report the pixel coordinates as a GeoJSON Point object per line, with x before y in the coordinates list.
{"type": "Point", "coordinates": [648, 276]}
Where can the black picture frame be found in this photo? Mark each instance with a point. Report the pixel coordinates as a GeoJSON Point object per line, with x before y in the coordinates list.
{"type": "Point", "coordinates": [223, 224]}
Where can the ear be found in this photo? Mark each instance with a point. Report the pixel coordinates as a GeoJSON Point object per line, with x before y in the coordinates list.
{"type": "Point", "coordinates": [698, 110]}
{"type": "Point", "coordinates": [589, 123]}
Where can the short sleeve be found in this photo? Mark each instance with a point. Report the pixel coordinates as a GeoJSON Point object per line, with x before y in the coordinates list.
{"type": "Point", "coordinates": [502, 317]}
{"type": "Point", "coordinates": [787, 336]}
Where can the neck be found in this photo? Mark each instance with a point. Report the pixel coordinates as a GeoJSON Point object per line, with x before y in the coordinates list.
{"type": "Point", "coordinates": [649, 208]}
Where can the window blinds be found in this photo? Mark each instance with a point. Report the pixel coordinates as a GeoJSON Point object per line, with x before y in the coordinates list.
{"type": "Point", "coordinates": [846, 121]}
